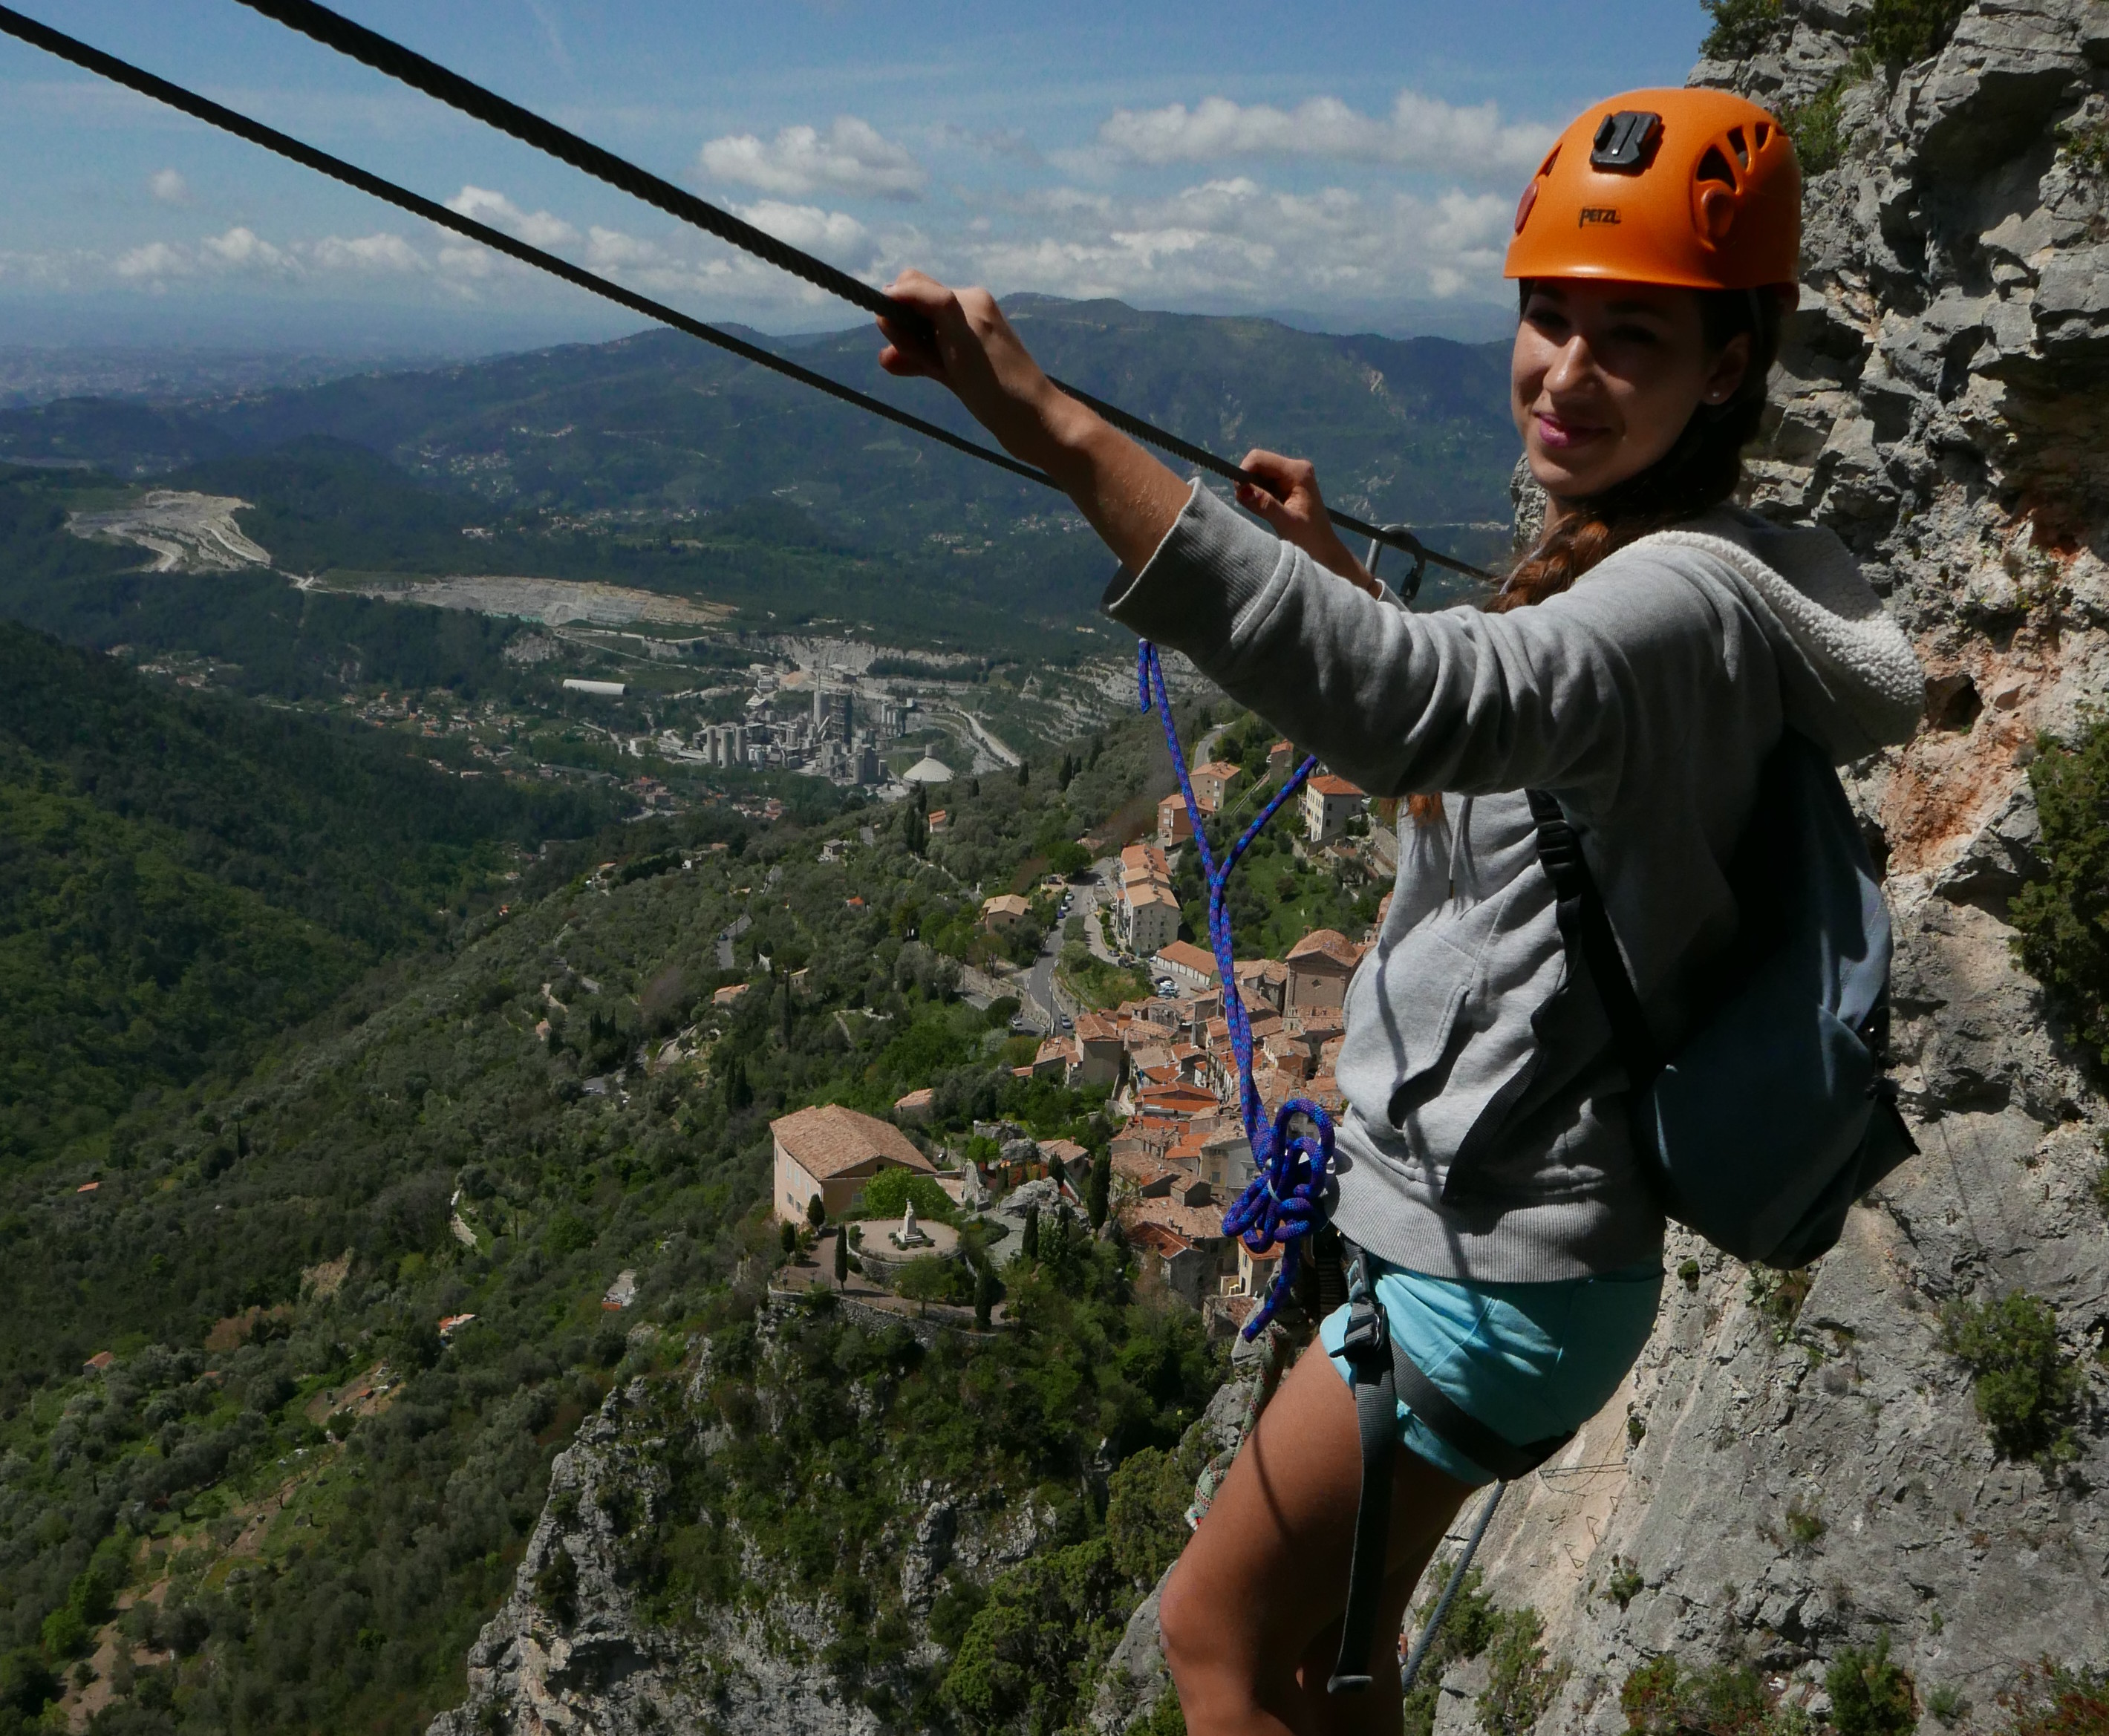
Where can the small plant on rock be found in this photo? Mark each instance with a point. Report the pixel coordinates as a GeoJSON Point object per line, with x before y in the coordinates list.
{"type": "Point", "coordinates": [1625, 1583]}
{"type": "Point", "coordinates": [1804, 1526]}
{"type": "Point", "coordinates": [2026, 1388]}
{"type": "Point", "coordinates": [1778, 1296]}
{"type": "Point", "coordinates": [1870, 1695]}
{"type": "Point", "coordinates": [1521, 1682]}
{"type": "Point", "coordinates": [2053, 1700]}
{"type": "Point", "coordinates": [1741, 27]}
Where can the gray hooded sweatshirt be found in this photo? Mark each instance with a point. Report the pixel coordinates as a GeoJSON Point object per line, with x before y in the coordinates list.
{"type": "Point", "coordinates": [1485, 1136]}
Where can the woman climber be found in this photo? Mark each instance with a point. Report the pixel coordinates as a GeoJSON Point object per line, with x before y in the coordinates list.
{"type": "Point", "coordinates": [1640, 663]}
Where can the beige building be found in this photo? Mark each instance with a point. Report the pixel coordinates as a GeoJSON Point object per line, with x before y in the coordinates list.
{"type": "Point", "coordinates": [1328, 804]}
{"type": "Point", "coordinates": [1212, 784]}
{"type": "Point", "coordinates": [1319, 966]}
{"type": "Point", "coordinates": [1003, 912]}
{"type": "Point", "coordinates": [1173, 822]}
{"type": "Point", "coordinates": [1098, 1054]}
{"type": "Point", "coordinates": [832, 1151]}
{"type": "Point", "coordinates": [1190, 966]}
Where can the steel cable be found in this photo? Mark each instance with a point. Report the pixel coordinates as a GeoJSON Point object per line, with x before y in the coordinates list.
{"type": "Point", "coordinates": [407, 66]}
{"type": "Point", "coordinates": [203, 108]}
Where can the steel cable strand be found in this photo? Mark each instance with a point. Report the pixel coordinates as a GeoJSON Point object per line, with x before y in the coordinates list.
{"type": "Point", "coordinates": [407, 66]}
{"type": "Point", "coordinates": [1285, 1201]}
{"type": "Point", "coordinates": [185, 101]}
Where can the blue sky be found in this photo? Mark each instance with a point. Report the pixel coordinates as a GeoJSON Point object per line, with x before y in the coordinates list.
{"type": "Point", "coordinates": [1355, 164]}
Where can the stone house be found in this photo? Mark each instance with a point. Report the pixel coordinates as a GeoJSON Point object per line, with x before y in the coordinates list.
{"type": "Point", "coordinates": [834, 1151]}
{"type": "Point", "coordinates": [1319, 966]}
{"type": "Point", "coordinates": [1328, 804]}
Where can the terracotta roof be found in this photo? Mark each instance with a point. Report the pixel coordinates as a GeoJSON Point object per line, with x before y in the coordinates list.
{"type": "Point", "coordinates": [1214, 768]}
{"type": "Point", "coordinates": [1005, 904]}
{"type": "Point", "coordinates": [1188, 957]}
{"type": "Point", "coordinates": [827, 1140]}
{"type": "Point", "coordinates": [1095, 1027]}
{"type": "Point", "coordinates": [1180, 1100]}
{"type": "Point", "coordinates": [1151, 892]}
{"type": "Point", "coordinates": [1329, 943]}
{"type": "Point", "coordinates": [1156, 1238]}
{"type": "Point", "coordinates": [1196, 1224]}
{"type": "Point", "coordinates": [1068, 1150]}
{"type": "Point", "coordinates": [914, 1100]}
{"type": "Point", "coordinates": [1326, 784]}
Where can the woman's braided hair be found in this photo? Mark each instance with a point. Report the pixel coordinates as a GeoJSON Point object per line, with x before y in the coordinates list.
{"type": "Point", "coordinates": [1704, 468]}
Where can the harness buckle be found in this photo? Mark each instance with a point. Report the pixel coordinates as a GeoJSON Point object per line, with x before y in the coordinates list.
{"type": "Point", "coordinates": [1368, 1335]}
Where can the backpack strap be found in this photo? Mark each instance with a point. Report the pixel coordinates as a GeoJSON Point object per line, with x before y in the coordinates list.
{"type": "Point", "coordinates": [1367, 1348]}
{"type": "Point", "coordinates": [1587, 929]}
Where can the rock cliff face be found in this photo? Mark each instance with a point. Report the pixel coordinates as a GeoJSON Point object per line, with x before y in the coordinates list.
{"type": "Point", "coordinates": [1794, 1481]}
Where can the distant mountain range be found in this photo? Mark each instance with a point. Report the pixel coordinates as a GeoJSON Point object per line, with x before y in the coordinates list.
{"type": "Point", "coordinates": [657, 425]}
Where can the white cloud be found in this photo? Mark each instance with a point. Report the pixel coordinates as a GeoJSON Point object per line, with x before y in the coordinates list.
{"type": "Point", "coordinates": [1233, 241]}
{"type": "Point", "coordinates": [1420, 132]}
{"type": "Point", "coordinates": [537, 229]}
{"type": "Point", "coordinates": [241, 249]}
{"type": "Point", "coordinates": [169, 187]}
{"type": "Point", "coordinates": [610, 250]}
{"type": "Point", "coordinates": [156, 260]}
{"type": "Point", "coordinates": [379, 253]}
{"type": "Point", "coordinates": [850, 157]}
{"type": "Point", "coordinates": [806, 225]}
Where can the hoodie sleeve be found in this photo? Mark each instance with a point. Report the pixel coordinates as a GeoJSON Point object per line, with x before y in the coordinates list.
{"type": "Point", "coordinates": [1570, 695]}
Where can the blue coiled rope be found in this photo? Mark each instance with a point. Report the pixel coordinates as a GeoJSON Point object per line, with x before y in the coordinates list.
{"type": "Point", "coordinates": [1284, 1201]}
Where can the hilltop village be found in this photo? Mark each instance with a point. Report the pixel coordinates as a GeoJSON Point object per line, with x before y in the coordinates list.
{"type": "Point", "coordinates": [1178, 1153]}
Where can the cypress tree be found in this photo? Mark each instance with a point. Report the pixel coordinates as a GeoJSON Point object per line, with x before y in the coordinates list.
{"type": "Point", "coordinates": [1101, 1189]}
{"type": "Point", "coordinates": [1028, 1240]}
{"type": "Point", "coordinates": [984, 1295]}
{"type": "Point", "coordinates": [841, 1257]}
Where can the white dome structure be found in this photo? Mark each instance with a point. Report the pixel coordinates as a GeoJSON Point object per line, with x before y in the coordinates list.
{"type": "Point", "coordinates": [927, 770]}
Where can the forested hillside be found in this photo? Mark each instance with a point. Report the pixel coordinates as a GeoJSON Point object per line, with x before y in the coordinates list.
{"type": "Point", "coordinates": [315, 1495]}
{"type": "Point", "coordinates": [182, 876]}
{"type": "Point", "coordinates": [687, 470]}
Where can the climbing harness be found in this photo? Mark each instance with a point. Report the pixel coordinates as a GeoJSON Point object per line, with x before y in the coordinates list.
{"type": "Point", "coordinates": [1384, 1376]}
{"type": "Point", "coordinates": [402, 64]}
{"type": "Point", "coordinates": [1284, 1201]}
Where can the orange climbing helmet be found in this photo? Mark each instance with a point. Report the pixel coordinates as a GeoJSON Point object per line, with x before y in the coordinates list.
{"type": "Point", "coordinates": [1693, 187]}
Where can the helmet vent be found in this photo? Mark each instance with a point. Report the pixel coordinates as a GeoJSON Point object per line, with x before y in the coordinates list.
{"type": "Point", "coordinates": [1761, 133]}
{"type": "Point", "coordinates": [1735, 143]}
{"type": "Point", "coordinates": [1714, 167]}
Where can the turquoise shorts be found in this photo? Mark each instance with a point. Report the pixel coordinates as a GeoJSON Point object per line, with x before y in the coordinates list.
{"type": "Point", "coordinates": [1528, 1361]}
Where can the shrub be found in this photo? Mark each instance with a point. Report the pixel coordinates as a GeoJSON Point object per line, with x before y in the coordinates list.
{"type": "Point", "coordinates": [1739, 27]}
{"type": "Point", "coordinates": [2061, 921]}
{"type": "Point", "coordinates": [1778, 1296]}
{"type": "Point", "coordinates": [1521, 1683]}
{"type": "Point", "coordinates": [1804, 1526]}
{"type": "Point", "coordinates": [1465, 1634]}
{"type": "Point", "coordinates": [2026, 1388]}
{"type": "Point", "coordinates": [934, 1280]}
{"type": "Point", "coordinates": [2086, 144]}
{"type": "Point", "coordinates": [557, 1586]}
{"type": "Point", "coordinates": [1902, 31]}
{"type": "Point", "coordinates": [1625, 1583]}
{"type": "Point", "coordinates": [2053, 1700]}
{"type": "Point", "coordinates": [887, 1195]}
{"type": "Point", "coordinates": [1870, 1696]}
{"type": "Point", "coordinates": [1813, 126]}
{"type": "Point", "coordinates": [27, 1684]}
{"type": "Point", "coordinates": [1660, 1699]}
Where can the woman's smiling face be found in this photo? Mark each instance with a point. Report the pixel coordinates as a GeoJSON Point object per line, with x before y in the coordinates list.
{"type": "Point", "coordinates": [1605, 376]}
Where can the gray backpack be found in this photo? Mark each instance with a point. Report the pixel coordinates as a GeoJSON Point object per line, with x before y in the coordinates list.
{"type": "Point", "coordinates": [1774, 1115]}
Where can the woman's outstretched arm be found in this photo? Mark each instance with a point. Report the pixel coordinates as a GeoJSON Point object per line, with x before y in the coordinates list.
{"type": "Point", "coordinates": [1130, 497]}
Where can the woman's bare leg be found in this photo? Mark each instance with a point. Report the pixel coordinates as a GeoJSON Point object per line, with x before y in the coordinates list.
{"type": "Point", "coordinates": [1265, 1578]}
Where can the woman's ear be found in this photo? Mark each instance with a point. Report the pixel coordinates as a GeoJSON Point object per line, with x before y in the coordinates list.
{"type": "Point", "coordinates": [1724, 379]}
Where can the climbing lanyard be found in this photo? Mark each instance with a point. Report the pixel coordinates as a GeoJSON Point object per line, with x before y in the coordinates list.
{"type": "Point", "coordinates": [1284, 1201]}
{"type": "Point", "coordinates": [393, 59]}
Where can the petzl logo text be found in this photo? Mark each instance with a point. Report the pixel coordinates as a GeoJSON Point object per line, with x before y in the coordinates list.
{"type": "Point", "coordinates": [1595, 213]}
